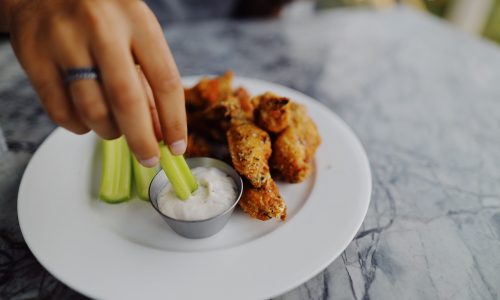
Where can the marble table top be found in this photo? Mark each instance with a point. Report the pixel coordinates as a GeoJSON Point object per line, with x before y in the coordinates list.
{"type": "Point", "coordinates": [424, 100]}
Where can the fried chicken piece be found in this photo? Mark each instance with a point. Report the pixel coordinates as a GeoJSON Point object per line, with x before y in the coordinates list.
{"type": "Point", "coordinates": [235, 114]}
{"type": "Point", "coordinates": [209, 91]}
{"type": "Point", "coordinates": [250, 149]}
{"type": "Point", "coordinates": [244, 99]}
{"type": "Point", "coordinates": [263, 203]}
{"type": "Point", "coordinates": [202, 125]}
{"type": "Point", "coordinates": [272, 112]}
{"type": "Point", "coordinates": [198, 146]}
{"type": "Point", "coordinates": [289, 157]}
{"type": "Point", "coordinates": [215, 120]}
{"type": "Point", "coordinates": [294, 148]}
{"type": "Point", "coordinates": [215, 113]}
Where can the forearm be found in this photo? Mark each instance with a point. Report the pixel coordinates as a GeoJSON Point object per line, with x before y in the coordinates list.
{"type": "Point", "coordinates": [6, 11]}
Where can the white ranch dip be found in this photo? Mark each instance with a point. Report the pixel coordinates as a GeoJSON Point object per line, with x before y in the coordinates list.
{"type": "Point", "coordinates": [216, 192]}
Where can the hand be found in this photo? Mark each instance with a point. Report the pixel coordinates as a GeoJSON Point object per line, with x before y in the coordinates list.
{"type": "Point", "coordinates": [52, 36]}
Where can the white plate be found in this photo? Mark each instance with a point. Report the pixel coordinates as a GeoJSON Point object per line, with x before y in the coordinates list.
{"type": "Point", "coordinates": [126, 251]}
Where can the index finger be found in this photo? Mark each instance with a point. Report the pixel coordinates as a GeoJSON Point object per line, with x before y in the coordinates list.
{"type": "Point", "coordinates": [152, 52]}
{"type": "Point", "coordinates": [127, 99]}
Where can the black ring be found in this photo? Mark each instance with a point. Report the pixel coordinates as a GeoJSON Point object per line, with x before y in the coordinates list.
{"type": "Point", "coordinates": [74, 74]}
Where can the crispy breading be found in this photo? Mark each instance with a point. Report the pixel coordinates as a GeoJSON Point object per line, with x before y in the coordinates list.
{"type": "Point", "coordinates": [263, 203]}
{"type": "Point", "coordinates": [209, 91]}
{"type": "Point", "coordinates": [250, 149]}
{"type": "Point", "coordinates": [215, 120]}
{"type": "Point", "coordinates": [272, 112]}
{"type": "Point", "coordinates": [218, 115]}
{"type": "Point", "coordinates": [294, 148]}
{"type": "Point", "coordinates": [235, 114]}
{"type": "Point", "coordinates": [198, 146]}
{"type": "Point", "coordinates": [244, 99]}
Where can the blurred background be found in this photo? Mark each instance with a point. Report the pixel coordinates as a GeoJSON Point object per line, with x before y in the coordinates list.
{"type": "Point", "coordinates": [477, 17]}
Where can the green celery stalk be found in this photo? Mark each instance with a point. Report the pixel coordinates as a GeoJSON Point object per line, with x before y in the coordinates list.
{"type": "Point", "coordinates": [174, 173]}
{"type": "Point", "coordinates": [116, 177]}
{"type": "Point", "coordinates": [142, 177]}
{"type": "Point", "coordinates": [186, 172]}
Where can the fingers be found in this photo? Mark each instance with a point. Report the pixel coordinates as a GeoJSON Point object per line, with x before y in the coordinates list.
{"type": "Point", "coordinates": [48, 83]}
{"type": "Point", "coordinates": [86, 95]}
{"type": "Point", "coordinates": [152, 53]}
{"type": "Point", "coordinates": [152, 105]}
{"type": "Point", "coordinates": [103, 34]}
{"type": "Point", "coordinates": [45, 76]}
{"type": "Point", "coordinates": [126, 96]}
{"type": "Point", "coordinates": [89, 101]}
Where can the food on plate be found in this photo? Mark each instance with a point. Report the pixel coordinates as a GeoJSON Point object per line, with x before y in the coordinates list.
{"type": "Point", "coordinates": [198, 145]}
{"type": "Point", "coordinates": [272, 112]}
{"type": "Point", "coordinates": [216, 193]}
{"type": "Point", "coordinates": [263, 203]}
{"type": "Point", "coordinates": [142, 178]}
{"type": "Point", "coordinates": [245, 102]}
{"type": "Point", "coordinates": [250, 149]}
{"type": "Point", "coordinates": [294, 148]}
{"type": "Point", "coordinates": [118, 165]}
{"type": "Point", "coordinates": [216, 119]}
{"type": "Point", "coordinates": [208, 91]}
{"type": "Point", "coordinates": [179, 175]}
{"type": "Point", "coordinates": [116, 177]}
{"type": "Point", "coordinates": [265, 136]}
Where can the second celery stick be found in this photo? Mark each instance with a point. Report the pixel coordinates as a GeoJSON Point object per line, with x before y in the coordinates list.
{"type": "Point", "coordinates": [142, 178]}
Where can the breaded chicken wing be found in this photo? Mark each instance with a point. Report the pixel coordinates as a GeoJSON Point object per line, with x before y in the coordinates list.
{"type": "Point", "coordinates": [263, 203]}
{"type": "Point", "coordinates": [250, 149]}
{"type": "Point", "coordinates": [272, 112]}
{"type": "Point", "coordinates": [215, 120]}
{"type": "Point", "coordinates": [244, 99]}
{"type": "Point", "coordinates": [209, 91]}
{"type": "Point", "coordinates": [294, 148]}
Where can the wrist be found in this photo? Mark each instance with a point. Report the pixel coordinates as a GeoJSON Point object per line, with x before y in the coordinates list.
{"type": "Point", "coordinates": [7, 10]}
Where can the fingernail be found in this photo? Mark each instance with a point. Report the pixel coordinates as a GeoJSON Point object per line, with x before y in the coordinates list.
{"type": "Point", "coordinates": [178, 148]}
{"type": "Point", "coordinates": [150, 162]}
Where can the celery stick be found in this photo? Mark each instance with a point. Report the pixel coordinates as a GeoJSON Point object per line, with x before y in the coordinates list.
{"type": "Point", "coordinates": [142, 178]}
{"type": "Point", "coordinates": [174, 174]}
{"type": "Point", "coordinates": [186, 172]}
{"type": "Point", "coordinates": [116, 171]}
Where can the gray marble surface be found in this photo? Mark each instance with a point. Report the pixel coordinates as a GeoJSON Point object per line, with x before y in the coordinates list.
{"type": "Point", "coordinates": [424, 100]}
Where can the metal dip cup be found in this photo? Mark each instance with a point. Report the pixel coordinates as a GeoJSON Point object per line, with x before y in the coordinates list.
{"type": "Point", "coordinates": [202, 228]}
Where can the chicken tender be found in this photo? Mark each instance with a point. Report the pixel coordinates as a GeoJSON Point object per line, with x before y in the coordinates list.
{"type": "Point", "coordinates": [294, 148]}
{"type": "Point", "coordinates": [272, 112]}
{"type": "Point", "coordinates": [215, 120]}
{"type": "Point", "coordinates": [244, 99]}
{"type": "Point", "coordinates": [209, 91]}
{"type": "Point", "coordinates": [263, 203]}
{"type": "Point", "coordinates": [250, 149]}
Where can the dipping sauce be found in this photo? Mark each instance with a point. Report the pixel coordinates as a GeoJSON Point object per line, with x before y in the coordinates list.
{"type": "Point", "coordinates": [216, 192]}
